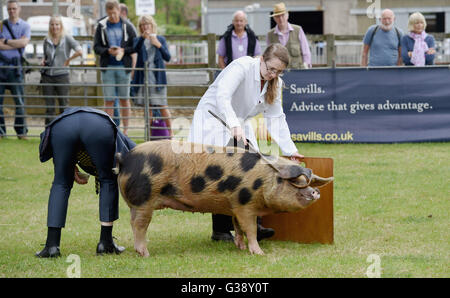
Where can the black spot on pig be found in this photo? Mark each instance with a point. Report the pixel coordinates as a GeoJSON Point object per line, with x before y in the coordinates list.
{"type": "Point", "coordinates": [132, 163]}
{"type": "Point", "coordinates": [138, 189]}
{"type": "Point", "coordinates": [279, 180]}
{"type": "Point", "coordinates": [168, 190]}
{"type": "Point", "coordinates": [249, 160]}
{"type": "Point", "coordinates": [244, 196]}
{"type": "Point", "coordinates": [197, 184]}
{"type": "Point", "coordinates": [257, 183]}
{"type": "Point", "coordinates": [156, 163]}
{"type": "Point", "coordinates": [214, 172]}
{"type": "Point", "coordinates": [229, 184]}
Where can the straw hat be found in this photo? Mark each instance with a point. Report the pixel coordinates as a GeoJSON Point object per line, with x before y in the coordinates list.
{"type": "Point", "coordinates": [279, 9]}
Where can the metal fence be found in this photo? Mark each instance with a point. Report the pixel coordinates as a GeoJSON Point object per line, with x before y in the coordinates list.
{"type": "Point", "coordinates": [86, 90]}
{"type": "Point", "coordinates": [189, 73]}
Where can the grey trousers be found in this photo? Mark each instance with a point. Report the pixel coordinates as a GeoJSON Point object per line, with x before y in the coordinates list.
{"type": "Point", "coordinates": [51, 90]}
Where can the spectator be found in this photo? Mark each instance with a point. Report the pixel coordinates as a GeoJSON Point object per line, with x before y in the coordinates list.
{"type": "Point", "coordinates": [239, 40]}
{"type": "Point", "coordinates": [291, 36]}
{"type": "Point", "coordinates": [246, 87]}
{"type": "Point", "coordinates": [382, 45]}
{"type": "Point", "coordinates": [57, 50]}
{"type": "Point", "coordinates": [152, 48]}
{"type": "Point", "coordinates": [89, 138]}
{"type": "Point", "coordinates": [113, 41]}
{"type": "Point", "coordinates": [14, 36]}
{"type": "Point", "coordinates": [124, 16]}
{"type": "Point", "coordinates": [418, 46]}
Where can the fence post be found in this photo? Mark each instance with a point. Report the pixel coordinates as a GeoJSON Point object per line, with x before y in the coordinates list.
{"type": "Point", "coordinates": [99, 91]}
{"type": "Point", "coordinates": [331, 51]}
{"type": "Point", "coordinates": [146, 103]}
{"type": "Point", "coordinates": [211, 54]}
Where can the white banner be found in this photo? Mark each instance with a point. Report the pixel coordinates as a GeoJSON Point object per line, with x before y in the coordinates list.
{"type": "Point", "coordinates": [145, 7]}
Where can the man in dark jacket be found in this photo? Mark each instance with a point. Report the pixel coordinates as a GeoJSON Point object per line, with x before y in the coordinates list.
{"type": "Point", "coordinates": [113, 41]}
{"type": "Point", "coordinates": [239, 40]}
{"type": "Point", "coordinates": [89, 138]}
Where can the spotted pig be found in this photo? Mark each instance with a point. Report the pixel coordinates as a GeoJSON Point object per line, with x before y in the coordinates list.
{"type": "Point", "coordinates": [231, 181]}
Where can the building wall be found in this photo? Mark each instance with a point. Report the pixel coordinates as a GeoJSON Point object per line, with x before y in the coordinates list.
{"type": "Point", "coordinates": [341, 17]}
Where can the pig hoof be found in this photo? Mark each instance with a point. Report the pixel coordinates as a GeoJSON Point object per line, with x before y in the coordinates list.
{"type": "Point", "coordinates": [239, 242]}
{"type": "Point", "coordinates": [142, 251]}
{"type": "Point", "coordinates": [256, 251]}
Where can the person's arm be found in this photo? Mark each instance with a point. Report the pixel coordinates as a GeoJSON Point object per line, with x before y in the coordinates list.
{"type": "Point", "coordinates": [399, 60]}
{"type": "Point", "coordinates": [4, 46]}
{"type": "Point", "coordinates": [18, 43]}
{"type": "Point", "coordinates": [99, 48]}
{"type": "Point", "coordinates": [257, 48]}
{"type": "Point", "coordinates": [221, 52]}
{"type": "Point", "coordinates": [404, 50]}
{"type": "Point", "coordinates": [366, 46]}
{"type": "Point", "coordinates": [277, 126]}
{"type": "Point", "coordinates": [163, 48]}
{"type": "Point", "coordinates": [129, 48]}
{"type": "Point", "coordinates": [75, 55]}
{"type": "Point", "coordinates": [430, 54]}
{"type": "Point", "coordinates": [74, 45]}
{"type": "Point", "coordinates": [233, 76]}
{"type": "Point", "coordinates": [306, 52]}
{"type": "Point", "coordinates": [221, 62]}
{"type": "Point", "coordinates": [365, 55]}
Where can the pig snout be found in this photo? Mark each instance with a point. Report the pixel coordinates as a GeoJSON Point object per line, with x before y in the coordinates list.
{"type": "Point", "coordinates": [315, 194]}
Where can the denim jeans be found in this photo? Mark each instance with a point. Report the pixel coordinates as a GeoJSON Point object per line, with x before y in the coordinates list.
{"type": "Point", "coordinates": [20, 125]}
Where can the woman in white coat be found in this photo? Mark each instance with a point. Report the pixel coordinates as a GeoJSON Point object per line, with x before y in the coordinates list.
{"type": "Point", "coordinates": [246, 87]}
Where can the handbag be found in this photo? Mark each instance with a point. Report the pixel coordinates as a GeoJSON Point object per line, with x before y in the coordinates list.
{"type": "Point", "coordinates": [158, 130]}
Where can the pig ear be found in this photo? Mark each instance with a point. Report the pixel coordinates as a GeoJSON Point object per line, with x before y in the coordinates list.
{"type": "Point", "coordinates": [293, 171]}
{"type": "Point", "coordinates": [317, 181]}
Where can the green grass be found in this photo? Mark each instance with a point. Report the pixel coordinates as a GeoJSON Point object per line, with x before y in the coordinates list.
{"type": "Point", "coordinates": [389, 200]}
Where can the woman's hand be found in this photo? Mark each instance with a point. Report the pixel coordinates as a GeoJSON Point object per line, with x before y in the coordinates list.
{"type": "Point", "coordinates": [431, 51]}
{"type": "Point", "coordinates": [154, 40]}
{"type": "Point", "coordinates": [410, 54]}
{"type": "Point", "coordinates": [297, 157]}
{"type": "Point", "coordinates": [238, 134]}
{"type": "Point", "coordinates": [67, 62]}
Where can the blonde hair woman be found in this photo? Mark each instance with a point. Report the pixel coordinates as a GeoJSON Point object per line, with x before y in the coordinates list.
{"type": "Point", "coordinates": [57, 49]}
{"type": "Point", "coordinates": [245, 88]}
{"type": "Point", "coordinates": [152, 48]}
{"type": "Point", "coordinates": [417, 45]}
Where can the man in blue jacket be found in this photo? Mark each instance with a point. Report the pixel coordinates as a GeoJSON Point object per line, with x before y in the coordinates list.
{"type": "Point", "coordinates": [89, 138]}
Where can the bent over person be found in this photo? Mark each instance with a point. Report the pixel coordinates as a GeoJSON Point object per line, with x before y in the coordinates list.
{"type": "Point", "coordinates": [89, 138]}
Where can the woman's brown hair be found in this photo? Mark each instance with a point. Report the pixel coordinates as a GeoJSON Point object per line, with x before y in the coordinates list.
{"type": "Point", "coordinates": [275, 50]}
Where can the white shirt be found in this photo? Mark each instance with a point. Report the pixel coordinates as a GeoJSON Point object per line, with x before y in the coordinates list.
{"type": "Point", "coordinates": [236, 97]}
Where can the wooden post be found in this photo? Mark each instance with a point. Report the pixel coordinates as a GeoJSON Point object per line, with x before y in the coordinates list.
{"type": "Point", "coordinates": [99, 90]}
{"type": "Point", "coordinates": [211, 37]}
{"type": "Point", "coordinates": [313, 224]}
{"type": "Point", "coordinates": [331, 50]}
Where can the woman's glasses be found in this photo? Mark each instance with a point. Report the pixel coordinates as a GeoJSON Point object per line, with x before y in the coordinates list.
{"type": "Point", "coordinates": [273, 70]}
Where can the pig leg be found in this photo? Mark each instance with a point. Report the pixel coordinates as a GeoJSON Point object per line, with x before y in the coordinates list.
{"type": "Point", "coordinates": [132, 217]}
{"type": "Point", "coordinates": [248, 224]}
{"type": "Point", "coordinates": [140, 225]}
{"type": "Point", "coordinates": [239, 236]}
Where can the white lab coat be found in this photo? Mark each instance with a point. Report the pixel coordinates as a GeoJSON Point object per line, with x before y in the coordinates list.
{"type": "Point", "coordinates": [235, 96]}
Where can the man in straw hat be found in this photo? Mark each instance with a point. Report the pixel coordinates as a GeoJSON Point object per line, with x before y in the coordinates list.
{"type": "Point", "coordinates": [291, 36]}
